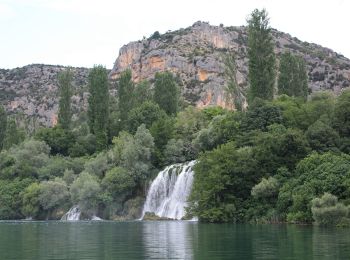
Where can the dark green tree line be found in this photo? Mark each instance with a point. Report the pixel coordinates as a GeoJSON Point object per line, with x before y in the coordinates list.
{"type": "Point", "coordinates": [234, 91]}
{"type": "Point", "coordinates": [261, 56]}
{"type": "Point", "coordinates": [292, 79]}
{"type": "Point", "coordinates": [3, 125]}
{"type": "Point", "coordinates": [166, 93]}
{"type": "Point", "coordinates": [125, 88]}
{"type": "Point", "coordinates": [65, 92]}
{"type": "Point", "coordinates": [98, 111]}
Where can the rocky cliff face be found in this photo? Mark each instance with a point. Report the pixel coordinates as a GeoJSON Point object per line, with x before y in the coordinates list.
{"type": "Point", "coordinates": [31, 92]}
{"type": "Point", "coordinates": [195, 55]}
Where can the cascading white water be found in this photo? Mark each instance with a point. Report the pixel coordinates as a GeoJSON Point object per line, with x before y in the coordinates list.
{"type": "Point", "coordinates": [168, 194]}
{"type": "Point", "coordinates": [96, 218]}
{"type": "Point", "coordinates": [73, 214]}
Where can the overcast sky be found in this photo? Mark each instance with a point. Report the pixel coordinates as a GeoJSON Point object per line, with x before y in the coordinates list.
{"type": "Point", "coordinates": [83, 32]}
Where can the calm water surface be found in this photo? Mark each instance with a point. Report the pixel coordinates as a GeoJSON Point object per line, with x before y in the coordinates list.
{"type": "Point", "coordinates": [169, 240]}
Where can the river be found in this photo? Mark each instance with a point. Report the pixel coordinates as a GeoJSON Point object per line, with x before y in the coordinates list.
{"type": "Point", "coordinates": [169, 240]}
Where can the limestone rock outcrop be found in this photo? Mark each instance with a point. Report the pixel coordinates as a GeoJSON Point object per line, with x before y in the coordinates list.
{"type": "Point", "coordinates": [31, 92]}
{"type": "Point", "coordinates": [195, 56]}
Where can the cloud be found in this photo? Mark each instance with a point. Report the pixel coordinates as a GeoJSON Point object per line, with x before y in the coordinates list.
{"type": "Point", "coordinates": [6, 12]}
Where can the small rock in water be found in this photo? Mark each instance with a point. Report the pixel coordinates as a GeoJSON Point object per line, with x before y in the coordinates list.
{"type": "Point", "coordinates": [153, 217]}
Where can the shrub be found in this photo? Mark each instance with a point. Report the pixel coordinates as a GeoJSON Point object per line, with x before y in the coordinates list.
{"type": "Point", "coordinates": [266, 188]}
{"type": "Point", "coordinates": [327, 211]}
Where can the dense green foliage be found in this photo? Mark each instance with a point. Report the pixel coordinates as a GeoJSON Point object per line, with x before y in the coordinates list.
{"type": "Point", "coordinates": [3, 125]}
{"type": "Point", "coordinates": [266, 164]}
{"type": "Point", "coordinates": [281, 156]}
{"type": "Point", "coordinates": [261, 56]}
{"type": "Point", "coordinates": [279, 160]}
{"type": "Point", "coordinates": [292, 79]}
{"type": "Point", "coordinates": [224, 177]}
{"type": "Point", "coordinates": [166, 93]}
{"type": "Point", "coordinates": [13, 135]}
{"type": "Point", "coordinates": [98, 110]}
{"type": "Point", "coordinates": [147, 113]}
{"type": "Point", "coordinates": [234, 91]}
{"type": "Point", "coordinates": [125, 88]}
{"type": "Point", "coordinates": [328, 212]}
{"type": "Point", "coordinates": [65, 90]}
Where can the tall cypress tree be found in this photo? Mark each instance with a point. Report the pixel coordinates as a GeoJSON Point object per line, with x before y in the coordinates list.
{"type": "Point", "coordinates": [292, 79]}
{"type": "Point", "coordinates": [125, 88]}
{"type": "Point", "coordinates": [65, 90]}
{"type": "Point", "coordinates": [234, 90]}
{"type": "Point", "coordinates": [3, 125]}
{"type": "Point", "coordinates": [261, 56]}
{"type": "Point", "coordinates": [14, 135]}
{"type": "Point", "coordinates": [98, 111]}
{"type": "Point", "coordinates": [166, 92]}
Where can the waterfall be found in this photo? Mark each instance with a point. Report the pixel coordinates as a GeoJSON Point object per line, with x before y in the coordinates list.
{"type": "Point", "coordinates": [168, 193]}
{"type": "Point", "coordinates": [96, 218]}
{"type": "Point", "coordinates": [72, 215]}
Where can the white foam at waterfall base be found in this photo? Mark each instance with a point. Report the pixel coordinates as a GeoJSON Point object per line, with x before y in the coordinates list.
{"type": "Point", "coordinates": [73, 214]}
{"type": "Point", "coordinates": [96, 218]}
{"type": "Point", "coordinates": [168, 193]}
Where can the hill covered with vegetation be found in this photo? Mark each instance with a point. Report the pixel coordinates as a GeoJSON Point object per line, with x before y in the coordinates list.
{"type": "Point", "coordinates": [282, 158]}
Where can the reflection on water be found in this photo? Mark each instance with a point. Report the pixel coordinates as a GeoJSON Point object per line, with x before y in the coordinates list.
{"type": "Point", "coordinates": [169, 240]}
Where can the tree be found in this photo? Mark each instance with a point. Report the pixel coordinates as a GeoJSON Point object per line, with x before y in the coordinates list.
{"type": "Point", "coordinates": [125, 89]}
{"type": "Point", "coordinates": [3, 125]}
{"type": "Point", "coordinates": [234, 91]}
{"type": "Point", "coordinates": [55, 167]}
{"type": "Point", "coordinates": [174, 151]}
{"type": "Point", "coordinates": [266, 188]}
{"type": "Point", "coordinates": [136, 156]}
{"type": "Point", "coordinates": [26, 159]}
{"type": "Point", "coordinates": [134, 152]}
{"type": "Point", "coordinates": [65, 93]}
{"type": "Point", "coordinates": [147, 113]}
{"type": "Point", "coordinates": [221, 129]}
{"type": "Point", "coordinates": [118, 182]}
{"type": "Point", "coordinates": [59, 139]}
{"type": "Point", "coordinates": [143, 92]}
{"type": "Point", "coordinates": [279, 147]}
{"type": "Point", "coordinates": [98, 111]}
{"type": "Point", "coordinates": [341, 119]}
{"type": "Point", "coordinates": [10, 197]}
{"type": "Point", "coordinates": [84, 145]}
{"type": "Point", "coordinates": [13, 134]}
{"type": "Point", "coordinates": [313, 176]}
{"type": "Point", "coordinates": [261, 56]}
{"type": "Point", "coordinates": [322, 137]}
{"type": "Point", "coordinates": [223, 178]}
{"type": "Point", "coordinates": [260, 115]}
{"type": "Point", "coordinates": [327, 211]}
{"type": "Point", "coordinates": [53, 194]}
{"type": "Point", "coordinates": [166, 93]}
{"type": "Point", "coordinates": [189, 121]}
{"type": "Point", "coordinates": [292, 79]}
{"type": "Point", "coordinates": [30, 199]}
{"type": "Point", "coordinates": [98, 165]}
{"type": "Point", "coordinates": [162, 130]}
{"type": "Point", "coordinates": [85, 191]}
{"type": "Point", "coordinates": [321, 106]}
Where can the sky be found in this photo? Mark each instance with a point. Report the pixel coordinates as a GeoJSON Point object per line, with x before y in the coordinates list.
{"type": "Point", "coordinates": [82, 33]}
